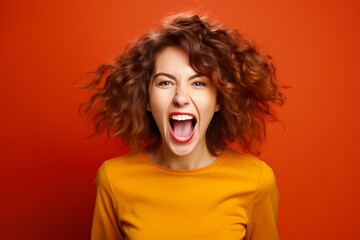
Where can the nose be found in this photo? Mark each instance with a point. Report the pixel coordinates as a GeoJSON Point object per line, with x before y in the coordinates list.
{"type": "Point", "coordinates": [181, 98]}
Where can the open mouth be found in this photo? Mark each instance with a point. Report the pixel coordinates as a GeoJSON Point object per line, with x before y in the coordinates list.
{"type": "Point", "coordinates": [182, 127]}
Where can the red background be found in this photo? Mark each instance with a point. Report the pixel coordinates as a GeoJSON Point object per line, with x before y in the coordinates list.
{"type": "Point", "coordinates": [47, 169]}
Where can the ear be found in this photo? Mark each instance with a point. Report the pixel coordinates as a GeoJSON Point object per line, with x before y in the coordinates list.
{"type": "Point", "coordinates": [148, 107]}
{"type": "Point", "coordinates": [217, 107]}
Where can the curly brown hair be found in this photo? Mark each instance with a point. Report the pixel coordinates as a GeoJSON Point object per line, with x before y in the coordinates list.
{"type": "Point", "coordinates": [244, 77]}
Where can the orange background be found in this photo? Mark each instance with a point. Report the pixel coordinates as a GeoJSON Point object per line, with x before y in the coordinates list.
{"type": "Point", "coordinates": [47, 169]}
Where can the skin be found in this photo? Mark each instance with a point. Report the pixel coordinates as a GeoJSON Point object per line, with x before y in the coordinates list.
{"type": "Point", "coordinates": [178, 88]}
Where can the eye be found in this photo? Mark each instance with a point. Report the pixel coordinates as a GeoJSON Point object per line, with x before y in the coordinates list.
{"type": "Point", "coordinates": [199, 84]}
{"type": "Point", "coordinates": [165, 83]}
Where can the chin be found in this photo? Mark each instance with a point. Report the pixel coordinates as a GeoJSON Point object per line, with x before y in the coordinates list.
{"type": "Point", "coordinates": [181, 149]}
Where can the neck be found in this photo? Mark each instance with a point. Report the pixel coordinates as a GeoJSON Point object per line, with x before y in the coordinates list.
{"type": "Point", "coordinates": [199, 157]}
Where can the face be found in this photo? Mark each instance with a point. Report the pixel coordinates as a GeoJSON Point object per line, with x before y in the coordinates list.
{"type": "Point", "coordinates": [181, 102]}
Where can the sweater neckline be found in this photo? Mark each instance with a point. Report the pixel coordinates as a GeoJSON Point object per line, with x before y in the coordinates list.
{"type": "Point", "coordinates": [215, 163]}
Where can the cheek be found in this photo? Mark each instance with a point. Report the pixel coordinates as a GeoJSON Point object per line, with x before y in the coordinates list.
{"type": "Point", "coordinates": [159, 103]}
{"type": "Point", "coordinates": [206, 105]}
{"type": "Point", "coordinates": [206, 100]}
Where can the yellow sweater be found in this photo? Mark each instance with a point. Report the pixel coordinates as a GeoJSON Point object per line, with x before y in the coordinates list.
{"type": "Point", "coordinates": [233, 198]}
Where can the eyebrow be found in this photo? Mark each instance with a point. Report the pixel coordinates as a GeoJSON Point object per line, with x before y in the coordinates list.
{"type": "Point", "coordinates": [173, 77]}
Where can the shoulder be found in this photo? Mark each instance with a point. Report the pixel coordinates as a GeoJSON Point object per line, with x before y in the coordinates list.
{"type": "Point", "coordinates": [261, 173]}
{"type": "Point", "coordinates": [123, 159]}
{"type": "Point", "coordinates": [126, 159]}
{"type": "Point", "coordinates": [267, 181]}
{"type": "Point", "coordinates": [118, 166]}
{"type": "Point", "coordinates": [245, 160]}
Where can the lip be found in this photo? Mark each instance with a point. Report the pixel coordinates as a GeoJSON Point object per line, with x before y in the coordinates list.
{"type": "Point", "coordinates": [181, 113]}
{"type": "Point", "coordinates": [184, 139]}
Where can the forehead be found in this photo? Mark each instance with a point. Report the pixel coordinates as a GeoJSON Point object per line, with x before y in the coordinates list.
{"type": "Point", "coordinates": [172, 58]}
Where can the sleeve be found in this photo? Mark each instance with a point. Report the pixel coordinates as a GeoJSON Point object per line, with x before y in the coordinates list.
{"type": "Point", "coordinates": [264, 211]}
{"type": "Point", "coordinates": [105, 225]}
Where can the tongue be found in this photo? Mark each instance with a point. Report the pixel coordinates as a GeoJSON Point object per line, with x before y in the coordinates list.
{"type": "Point", "coordinates": [182, 128]}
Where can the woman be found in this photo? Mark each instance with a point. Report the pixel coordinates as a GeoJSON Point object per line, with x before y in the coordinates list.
{"type": "Point", "coordinates": [179, 96]}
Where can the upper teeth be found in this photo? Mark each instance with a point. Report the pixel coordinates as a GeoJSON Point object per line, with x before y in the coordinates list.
{"type": "Point", "coordinates": [182, 117]}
